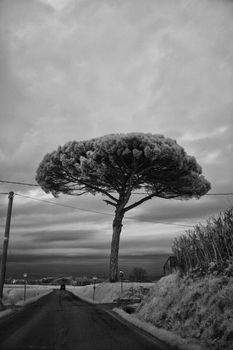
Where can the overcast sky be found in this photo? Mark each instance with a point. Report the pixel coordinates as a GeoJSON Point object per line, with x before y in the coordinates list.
{"type": "Point", "coordinates": [74, 70]}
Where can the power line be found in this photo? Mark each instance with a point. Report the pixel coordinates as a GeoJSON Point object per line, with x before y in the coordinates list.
{"type": "Point", "coordinates": [95, 211]}
{"type": "Point", "coordinates": [220, 194]}
{"type": "Point", "coordinates": [63, 205]}
{"type": "Point", "coordinates": [135, 193]}
{"type": "Point", "coordinates": [207, 194]}
{"type": "Point", "coordinates": [19, 183]}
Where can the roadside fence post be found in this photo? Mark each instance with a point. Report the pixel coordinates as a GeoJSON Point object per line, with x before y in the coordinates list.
{"type": "Point", "coordinates": [121, 274]}
{"type": "Point", "coordinates": [25, 286]}
{"type": "Point", "coordinates": [94, 287]}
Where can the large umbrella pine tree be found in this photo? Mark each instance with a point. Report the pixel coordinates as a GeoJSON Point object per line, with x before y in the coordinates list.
{"type": "Point", "coordinates": [115, 166]}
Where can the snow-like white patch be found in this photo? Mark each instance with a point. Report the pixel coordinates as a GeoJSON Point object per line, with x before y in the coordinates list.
{"type": "Point", "coordinates": [4, 313]}
{"type": "Point", "coordinates": [13, 295]}
{"type": "Point", "coordinates": [109, 292]}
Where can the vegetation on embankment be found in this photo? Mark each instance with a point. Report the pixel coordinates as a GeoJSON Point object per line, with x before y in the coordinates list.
{"type": "Point", "coordinates": [200, 309]}
{"type": "Point", "coordinates": [206, 247]}
{"type": "Point", "coordinates": [197, 301]}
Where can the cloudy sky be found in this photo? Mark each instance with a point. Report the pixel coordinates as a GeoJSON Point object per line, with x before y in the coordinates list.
{"type": "Point", "coordinates": [78, 69]}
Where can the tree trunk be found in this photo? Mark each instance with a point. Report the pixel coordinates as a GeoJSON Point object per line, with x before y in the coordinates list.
{"type": "Point", "coordinates": [117, 225]}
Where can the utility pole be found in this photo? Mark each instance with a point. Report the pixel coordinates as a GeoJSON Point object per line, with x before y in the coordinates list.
{"type": "Point", "coordinates": [5, 245]}
{"type": "Point", "coordinates": [121, 274]}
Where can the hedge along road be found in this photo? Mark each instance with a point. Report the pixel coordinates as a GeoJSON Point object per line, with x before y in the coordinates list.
{"type": "Point", "coordinates": [62, 321]}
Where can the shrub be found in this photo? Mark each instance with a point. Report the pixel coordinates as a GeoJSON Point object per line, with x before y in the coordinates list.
{"type": "Point", "coordinates": [207, 249]}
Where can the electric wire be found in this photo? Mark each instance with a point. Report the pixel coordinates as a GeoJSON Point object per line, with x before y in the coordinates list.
{"type": "Point", "coordinates": [19, 183]}
{"type": "Point", "coordinates": [63, 205]}
{"type": "Point", "coordinates": [135, 193]}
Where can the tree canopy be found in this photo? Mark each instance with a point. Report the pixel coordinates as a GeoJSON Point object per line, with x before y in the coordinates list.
{"type": "Point", "coordinates": [122, 162]}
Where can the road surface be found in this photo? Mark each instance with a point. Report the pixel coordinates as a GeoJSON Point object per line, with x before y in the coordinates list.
{"type": "Point", "coordinates": [61, 321]}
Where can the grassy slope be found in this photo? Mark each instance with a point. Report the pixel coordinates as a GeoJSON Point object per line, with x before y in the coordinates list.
{"type": "Point", "coordinates": [200, 309]}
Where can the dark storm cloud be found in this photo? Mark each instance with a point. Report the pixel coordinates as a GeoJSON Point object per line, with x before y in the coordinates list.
{"type": "Point", "coordinates": [136, 259]}
{"type": "Point", "coordinates": [48, 258]}
{"type": "Point", "coordinates": [60, 235]}
{"type": "Point", "coordinates": [141, 243]}
{"type": "Point", "coordinates": [39, 247]}
{"type": "Point", "coordinates": [30, 214]}
{"type": "Point", "coordinates": [190, 211]}
{"type": "Point", "coordinates": [37, 202]}
{"type": "Point", "coordinates": [90, 240]}
{"type": "Point", "coordinates": [49, 220]}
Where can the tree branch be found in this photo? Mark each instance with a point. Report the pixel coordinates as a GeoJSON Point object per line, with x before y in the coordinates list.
{"type": "Point", "coordinates": [79, 194]}
{"type": "Point", "coordinates": [108, 202]}
{"type": "Point", "coordinates": [125, 165]}
{"type": "Point", "coordinates": [98, 189]}
{"type": "Point", "coordinates": [71, 178]}
{"type": "Point", "coordinates": [146, 199]}
{"type": "Point", "coordinates": [124, 196]}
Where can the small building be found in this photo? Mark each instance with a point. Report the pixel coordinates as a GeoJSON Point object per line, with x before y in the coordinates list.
{"type": "Point", "coordinates": [170, 265]}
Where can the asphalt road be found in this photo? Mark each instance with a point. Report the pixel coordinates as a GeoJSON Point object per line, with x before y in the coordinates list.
{"type": "Point", "coordinates": [61, 321]}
